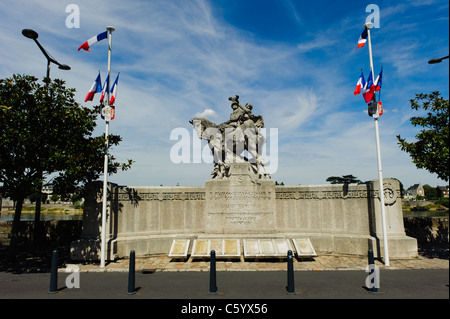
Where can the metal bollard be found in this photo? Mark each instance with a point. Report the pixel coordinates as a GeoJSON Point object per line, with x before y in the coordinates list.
{"type": "Point", "coordinates": [372, 272]}
{"type": "Point", "coordinates": [131, 275]}
{"type": "Point", "coordinates": [212, 274]}
{"type": "Point", "coordinates": [54, 273]}
{"type": "Point", "coordinates": [290, 274]}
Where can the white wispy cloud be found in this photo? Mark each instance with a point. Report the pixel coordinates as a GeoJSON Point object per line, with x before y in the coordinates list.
{"type": "Point", "coordinates": [207, 113]}
{"type": "Point", "coordinates": [178, 60]}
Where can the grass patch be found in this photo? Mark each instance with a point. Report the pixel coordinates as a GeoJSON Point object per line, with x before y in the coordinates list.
{"type": "Point", "coordinates": [53, 211]}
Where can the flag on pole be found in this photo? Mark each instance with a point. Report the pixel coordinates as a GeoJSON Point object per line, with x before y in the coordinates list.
{"type": "Point", "coordinates": [86, 45]}
{"type": "Point", "coordinates": [114, 90]}
{"type": "Point", "coordinates": [368, 89]}
{"type": "Point", "coordinates": [105, 89]}
{"type": "Point", "coordinates": [362, 39]}
{"type": "Point", "coordinates": [360, 84]}
{"type": "Point", "coordinates": [95, 88]}
{"type": "Point", "coordinates": [377, 83]}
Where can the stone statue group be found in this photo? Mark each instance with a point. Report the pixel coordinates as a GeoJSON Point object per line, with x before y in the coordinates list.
{"type": "Point", "coordinates": [230, 139]}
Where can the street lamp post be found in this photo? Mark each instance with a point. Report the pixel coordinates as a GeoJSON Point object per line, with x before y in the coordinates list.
{"type": "Point", "coordinates": [437, 60]}
{"type": "Point", "coordinates": [369, 25]}
{"type": "Point", "coordinates": [31, 34]}
{"type": "Point", "coordinates": [110, 30]}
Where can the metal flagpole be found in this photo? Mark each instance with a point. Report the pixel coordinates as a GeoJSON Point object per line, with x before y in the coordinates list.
{"type": "Point", "coordinates": [105, 169]}
{"type": "Point", "coordinates": [380, 170]}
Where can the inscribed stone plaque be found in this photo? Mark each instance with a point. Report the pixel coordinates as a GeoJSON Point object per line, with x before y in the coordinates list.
{"type": "Point", "coordinates": [282, 246]}
{"type": "Point", "coordinates": [304, 247]}
{"type": "Point", "coordinates": [179, 248]}
{"type": "Point", "coordinates": [231, 248]}
{"type": "Point", "coordinates": [251, 248]}
{"type": "Point", "coordinates": [217, 246]}
{"type": "Point", "coordinates": [222, 247]}
{"type": "Point", "coordinates": [266, 247]}
{"type": "Point", "coordinates": [239, 205]}
{"type": "Point", "coordinates": [200, 248]}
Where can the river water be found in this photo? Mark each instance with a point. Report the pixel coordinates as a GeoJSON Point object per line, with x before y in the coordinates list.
{"type": "Point", "coordinates": [426, 213]}
{"type": "Point", "coordinates": [44, 217]}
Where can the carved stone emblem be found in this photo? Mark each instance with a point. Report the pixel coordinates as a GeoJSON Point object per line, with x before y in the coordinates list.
{"type": "Point", "coordinates": [390, 195]}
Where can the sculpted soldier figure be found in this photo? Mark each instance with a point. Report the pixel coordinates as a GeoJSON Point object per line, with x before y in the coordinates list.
{"type": "Point", "coordinates": [231, 138]}
{"type": "Point", "coordinates": [242, 117]}
{"type": "Point", "coordinates": [235, 116]}
{"type": "Point", "coordinates": [249, 120]}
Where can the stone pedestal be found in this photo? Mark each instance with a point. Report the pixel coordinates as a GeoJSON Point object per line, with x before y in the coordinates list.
{"type": "Point", "coordinates": [399, 244]}
{"type": "Point", "coordinates": [240, 204]}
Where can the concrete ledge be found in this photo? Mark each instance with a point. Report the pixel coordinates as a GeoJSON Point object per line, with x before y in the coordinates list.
{"type": "Point", "coordinates": [399, 247]}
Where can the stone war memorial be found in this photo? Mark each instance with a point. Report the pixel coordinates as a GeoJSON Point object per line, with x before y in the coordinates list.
{"type": "Point", "coordinates": [240, 212]}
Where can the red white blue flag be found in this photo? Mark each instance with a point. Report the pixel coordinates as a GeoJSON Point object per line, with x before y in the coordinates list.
{"type": "Point", "coordinates": [377, 83]}
{"type": "Point", "coordinates": [86, 45]}
{"type": "Point", "coordinates": [368, 89]}
{"type": "Point", "coordinates": [360, 84]}
{"type": "Point", "coordinates": [362, 39]}
{"type": "Point", "coordinates": [114, 90]}
{"type": "Point", "coordinates": [95, 88]}
{"type": "Point", "coordinates": [105, 89]}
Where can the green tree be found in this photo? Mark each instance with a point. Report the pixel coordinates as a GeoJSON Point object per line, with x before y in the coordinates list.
{"type": "Point", "coordinates": [431, 192]}
{"type": "Point", "coordinates": [345, 179]}
{"type": "Point", "coordinates": [54, 198]}
{"type": "Point", "coordinates": [44, 131]}
{"type": "Point", "coordinates": [431, 150]}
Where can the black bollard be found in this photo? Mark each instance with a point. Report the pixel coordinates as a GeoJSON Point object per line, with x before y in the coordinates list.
{"type": "Point", "coordinates": [290, 274]}
{"type": "Point", "coordinates": [212, 274]}
{"type": "Point", "coordinates": [131, 275]}
{"type": "Point", "coordinates": [54, 273]}
{"type": "Point", "coordinates": [372, 286]}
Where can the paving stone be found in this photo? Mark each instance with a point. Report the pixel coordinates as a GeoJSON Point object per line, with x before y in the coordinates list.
{"type": "Point", "coordinates": [319, 263]}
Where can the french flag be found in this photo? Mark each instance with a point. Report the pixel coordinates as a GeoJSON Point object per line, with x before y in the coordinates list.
{"type": "Point", "coordinates": [86, 45]}
{"type": "Point", "coordinates": [362, 39]}
{"type": "Point", "coordinates": [114, 90]}
{"type": "Point", "coordinates": [105, 89]}
{"type": "Point", "coordinates": [368, 89]}
{"type": "Point", "coordinates": [95, 88]}
{"type": "Point", "coordinates": [360, 84]}
{"type": "Point", "coordinates": [377, 83]}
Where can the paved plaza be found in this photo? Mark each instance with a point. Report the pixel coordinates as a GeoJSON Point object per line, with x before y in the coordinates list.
{"type": "Point", "coordinates": [176, 286]}
{"type": "Point", "coordinates": [319, 263]}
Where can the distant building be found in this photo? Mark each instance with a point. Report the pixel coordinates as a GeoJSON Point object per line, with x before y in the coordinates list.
{"type": "Point", "coordinates": [413, 191]}
{"type": "Point", "coordinates": [47, 189]}
{"type": "Point", "coordinates": [444, 190]}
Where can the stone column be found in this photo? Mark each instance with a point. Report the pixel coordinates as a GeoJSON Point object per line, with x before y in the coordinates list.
{"type": "Point", "coordinates": [400, 245]}
{"type": "Point", "coordinates": [88, 247]}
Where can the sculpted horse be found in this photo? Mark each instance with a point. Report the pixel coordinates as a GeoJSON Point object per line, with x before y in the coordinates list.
{"type": "Point", "coordinates": [227, 144]}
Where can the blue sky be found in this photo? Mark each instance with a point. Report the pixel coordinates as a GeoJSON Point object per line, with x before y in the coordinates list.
{"type": "Point", "coordinates": [295, 61]}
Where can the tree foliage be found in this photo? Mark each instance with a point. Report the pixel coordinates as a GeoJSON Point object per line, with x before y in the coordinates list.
{"type": "Point", "coordinates": [431, 192]}
{"type": "Point", "coordinates": [345, 179]}
{"type": "Point", "coordinates": [43, 132]}
{"type": "Point", "coordinates": [431, 150]}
